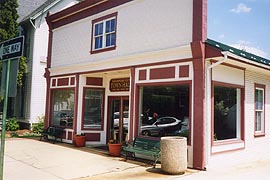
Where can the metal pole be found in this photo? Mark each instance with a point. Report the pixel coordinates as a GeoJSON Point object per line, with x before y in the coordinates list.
{"type": "Point", "coordinates": [4, 122]}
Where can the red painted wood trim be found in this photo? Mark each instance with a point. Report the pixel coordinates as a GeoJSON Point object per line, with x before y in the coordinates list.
{"type": "Point", "coordinates": [72, 81]}
{"type": "Point", "coordinates": [81, 11]}
{"type": "Point", "coordinates": [162, 73]}
{"type": "Point", "coordinates": [142, 74]}
{"type": "Point", "coordinates": [92, 136]}
{"type": "Point", "coordinates": [199, 146]}
{"type": "Point", "coordinates": [48, 95]}
{"type": "Point", "coordinates": [63, 82]}
{"type": "Point", "coordinates": [94, 81]}
{"type": "Point", "coordinates": [184, 71]}
{"type": "Point", "coordinates": [199, 20]}
{"type": "Point", "coordinates": [262, 86]}
{"type": "Point", "coordinates": [131, 103]}
{"type": "Point", "coordinates": [69, 136]}
{"type": "Point", "coordinates": [53, 82]}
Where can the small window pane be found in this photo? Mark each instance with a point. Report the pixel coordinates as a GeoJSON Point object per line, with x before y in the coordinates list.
{"type": "Point", "coordinates": [258, 121]}
{"type": "Point", "coordinates": [259, 99]}
{"type": "Point", "coordinates": [110, 26]}
{"type": "Point", "coordinates": [93, 108]}
{"type": "Point", "coordinates": [98, 42]}
{"type": "Point", "coordinates": [98, 29]}
{"type": "Point", "coordinates": [110, 40]}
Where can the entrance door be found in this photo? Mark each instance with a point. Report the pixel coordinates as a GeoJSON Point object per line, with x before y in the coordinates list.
{"type": "Point", "coordinates": [118, 118]}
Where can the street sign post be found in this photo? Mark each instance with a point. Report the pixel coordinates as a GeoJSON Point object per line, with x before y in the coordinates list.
{"type": "Point", "coordinates": [10, 49]}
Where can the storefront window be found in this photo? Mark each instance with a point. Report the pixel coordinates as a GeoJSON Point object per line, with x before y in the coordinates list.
{"type": "Point", "coordinates": [93, 108]}
{"type": "Point", "coordinates": [165, 110]}
{"type": "Point", "coordinates": [62, 107]}
{"type": "Point", "coordinates": [227, 111]}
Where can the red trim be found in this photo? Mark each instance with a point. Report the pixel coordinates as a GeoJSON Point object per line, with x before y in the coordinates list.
{"type": "Point", "coordinates": [94, 81]}
{"type": "Point", "coordinates": [131, 103]}
{"type": "Point", "coordinates": [62, 82]}
{"type": "Point", "coordinates": [199, 146]}
{"type": "Point", "coordinates": [69, 136]}
{"type": "Point", "coordinates": [50, 40]}
{"type": "Point", "coordinates": [199, 20]}
{"type": "Point", "coordinates": [124, 67]}
{"type": "Point", "coordinates": [142, 74]}
{"type": "Point", "coordinates": [48, 95]}
{"type": "Point", "coordinates": [162, 73]}
{"type": "Point", "coordinates": [102, 108]}
{"type": "Point", "coordinates": [184, 71]}
{"type": "Point", "coordinates": [81, 11]}
{"type": "Point", "coordinates": [93, 51]}
{"type": "Point", "coordinates": [92, 136]}
{"type": "Point", "coordinates": [53, 82]}
{"type": "Point", "coordinates": [259, 134]}
{"type": "Point", "coordinates": [72, 81]}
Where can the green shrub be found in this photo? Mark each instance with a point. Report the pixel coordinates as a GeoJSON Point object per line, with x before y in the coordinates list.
{"type": "Point", "coordinates": [12, 124]}
{"type": "Point", "coordinates": [38, 127]}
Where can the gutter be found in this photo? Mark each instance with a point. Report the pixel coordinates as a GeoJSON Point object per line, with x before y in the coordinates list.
{"type": "Point", "coordinates": [40, 13]}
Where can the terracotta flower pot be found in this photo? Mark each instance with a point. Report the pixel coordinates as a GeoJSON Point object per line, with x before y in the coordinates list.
{"type": "Point", "coordinates": [115, 149]}
{"type": "Point", "coordinates": [79, 140]}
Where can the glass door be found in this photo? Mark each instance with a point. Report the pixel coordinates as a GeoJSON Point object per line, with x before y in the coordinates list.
{"type": "Point", "coordinates": [118, 118]}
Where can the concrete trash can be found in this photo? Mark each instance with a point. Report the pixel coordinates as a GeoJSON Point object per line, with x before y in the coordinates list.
{"type": "Point", "coordinates": [173, 154]}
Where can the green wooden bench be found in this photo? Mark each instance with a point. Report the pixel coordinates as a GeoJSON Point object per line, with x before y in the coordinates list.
{"type": "Point", "coordinates": [144, 145]}
{"type": "Point", "coordinates": [56, 132]}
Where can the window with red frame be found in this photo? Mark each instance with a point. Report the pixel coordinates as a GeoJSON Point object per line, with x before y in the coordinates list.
{"type": "Point", "coordinates": [104, 33]}
{"type": "Point", "coordinates": [259, 109]}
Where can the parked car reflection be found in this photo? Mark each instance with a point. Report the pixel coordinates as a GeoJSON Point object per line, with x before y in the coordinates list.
{"type": "Point", "coordinates": [66, 118]}
{"type": "Point", "coordinates": [162, 126]}
{"type": "Point", "coordinates": [125, 119]}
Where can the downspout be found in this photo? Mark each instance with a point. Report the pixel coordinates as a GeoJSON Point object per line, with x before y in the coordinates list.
{"type": "Point", "coordinates": [208, 101]}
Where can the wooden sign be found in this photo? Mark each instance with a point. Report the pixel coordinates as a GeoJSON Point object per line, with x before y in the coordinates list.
{"type": "Point", "coordinates": [121, 84]}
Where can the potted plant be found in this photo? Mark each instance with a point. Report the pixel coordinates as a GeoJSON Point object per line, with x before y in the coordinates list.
{"type": "Point", "coordinates": [79, 140]}
{"type": "Point", "coordinates": [115, 147]}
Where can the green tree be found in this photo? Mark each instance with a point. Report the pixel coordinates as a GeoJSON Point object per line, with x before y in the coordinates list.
{"type": "Point", "coordinates": [8, 19]}
{"type": "Point", "coordinates": [9, 29]}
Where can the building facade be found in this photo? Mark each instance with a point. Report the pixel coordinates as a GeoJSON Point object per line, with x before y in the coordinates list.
{"type": "Point", "coordinates": [116, 72]}
{"type": "Point", "coordinates": [29, 104]}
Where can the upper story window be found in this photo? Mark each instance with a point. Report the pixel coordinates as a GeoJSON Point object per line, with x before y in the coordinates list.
{"type": "Point", "coordinates": [104, 33]}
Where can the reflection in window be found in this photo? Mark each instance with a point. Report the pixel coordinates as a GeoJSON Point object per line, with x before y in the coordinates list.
{"type": "Point", "coordinates": [227, 112]}
{"type": "Point", "coordinates": [93, 108]}
{"type": "Point", "coordinates": [165, 110]}
{"type": "Point", "coordinates": [63, 107]}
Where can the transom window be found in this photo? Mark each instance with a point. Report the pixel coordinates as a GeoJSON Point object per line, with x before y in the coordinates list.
{"type": "Point", "coordinates": [104, 33]}
{"type": "Point", "coordinates": [259, 109]}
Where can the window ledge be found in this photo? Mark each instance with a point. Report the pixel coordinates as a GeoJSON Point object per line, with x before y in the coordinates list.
{"type": "Point", "coordinates": [102, 50]}
{"type": "Point", "coordinates": [227, 145]}
{"type": "Point", "coordinates": [259, 134]}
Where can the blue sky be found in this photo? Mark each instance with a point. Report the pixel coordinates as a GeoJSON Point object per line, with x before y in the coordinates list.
{"type": "Point", "coordinates": [244, 24]}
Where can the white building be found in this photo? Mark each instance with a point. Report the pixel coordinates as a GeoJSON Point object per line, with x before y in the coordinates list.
{"type": "Point", "coordinates": [30, 100]}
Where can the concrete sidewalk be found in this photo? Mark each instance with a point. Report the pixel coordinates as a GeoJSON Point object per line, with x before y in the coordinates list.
{"type": "Point", "coordinates": [28, 159]}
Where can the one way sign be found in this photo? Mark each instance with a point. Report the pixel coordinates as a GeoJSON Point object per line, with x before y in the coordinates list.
{"type": "Point", "coordinates": [12, 48]}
